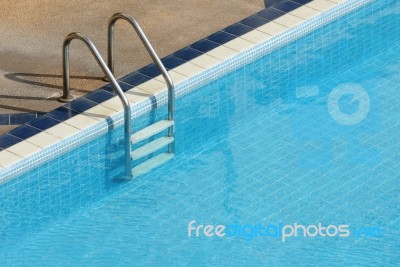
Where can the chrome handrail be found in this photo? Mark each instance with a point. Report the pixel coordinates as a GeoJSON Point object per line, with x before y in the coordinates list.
{"type": "Point", "coordinates": [66, 97]}
{"type": "Point", "coordinates": [156, 60]}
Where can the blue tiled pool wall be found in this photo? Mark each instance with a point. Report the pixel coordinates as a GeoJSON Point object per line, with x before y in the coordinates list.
{"type": "Point", "coordinates": [204, 45]}
{"type": "Point", "coordinates": [204, 119]}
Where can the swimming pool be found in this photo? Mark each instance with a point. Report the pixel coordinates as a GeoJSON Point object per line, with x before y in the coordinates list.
{"type": "Point", "coordinates": [260, 145]}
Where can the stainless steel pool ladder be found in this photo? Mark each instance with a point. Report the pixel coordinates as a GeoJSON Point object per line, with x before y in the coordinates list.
{"type": "Point", "coordinates": [158, 127]}
{"type": "Point", "coordinates": [67, 97]}
{"type": "Point", "coordinates": [143, 134]}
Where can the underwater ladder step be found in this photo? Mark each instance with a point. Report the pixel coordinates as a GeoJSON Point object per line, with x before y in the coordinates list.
{"type": "Point", "coordinates": [151, 163]}
{"type": "Point", "coordinates": [151, 147]}
{"type": "Point", "coordinates": [151, 130]}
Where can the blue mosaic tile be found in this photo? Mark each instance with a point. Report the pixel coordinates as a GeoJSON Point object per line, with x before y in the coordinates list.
{"type": "Point", "coordinates": [221, 37]}
{"type": "Point", "coordinates": [24, 131]}
{"type": "Point", "coordinates": [99, 96]}
{"type": "Point", "coordinates": [171, 62]}
{"type": "Point", "coordinates": [204, 45]}
{"type": "Point", "coordinates": [62, 113]}
{"type": "Point", "coordinates": [150, 70]}
{"type": "Point", "coordinates": [286, 6]}
{"type": "Point", "coordinates": [80, 105]}
{"type": "Point", "coordinates": [237, 29]}
{"type": "Point", "coordinates": [270, 13]}
{"type": "Point", "coordinates": [124, 87]}
{"type": "Point", "coordinates": [43, 122]}
{"type": "Point", "coordinates": [254, 21]}
{"type": "Point", "coordinates": [138, 77]}
{"type": "Point", "coordinates": [7, 140]}
{"type": "Point", "coordinates": [187, 53]}
{"type": "Point", "coordinates": [4, 119]}
{"type": "Point", "coordinates": [21, 118]}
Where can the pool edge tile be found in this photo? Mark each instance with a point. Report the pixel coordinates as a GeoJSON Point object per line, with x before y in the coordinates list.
{"type": "Point", "coordinates": [305, 12]}
{"type": "Point", "coordinates": [321, 5]}
{"type": "Point", "coordinates": [24, 149]}
{"type": "Point", "coordinates": [8, 158]}
{"type": "Point", "coordinates": [63, 130]}
{"type": "Point", "coordinates": [43, 139]}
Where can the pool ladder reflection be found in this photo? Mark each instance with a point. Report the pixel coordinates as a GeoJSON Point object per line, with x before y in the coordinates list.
{"type": "Point", "coordinates": [130, 139]}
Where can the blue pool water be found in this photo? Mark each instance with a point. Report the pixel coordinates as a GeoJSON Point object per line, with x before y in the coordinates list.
{"type": "Point", "coordinates": [261, 145]}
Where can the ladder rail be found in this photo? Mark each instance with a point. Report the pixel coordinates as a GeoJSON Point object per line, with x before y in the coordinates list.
{"type": "Point", "coordinates": [155, 58]}
{"type": "Point", "coordinates": [66, 97]}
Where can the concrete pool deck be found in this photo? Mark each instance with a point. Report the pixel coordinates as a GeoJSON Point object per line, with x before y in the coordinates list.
{"type": "Point", "coordinates": [32, 34]}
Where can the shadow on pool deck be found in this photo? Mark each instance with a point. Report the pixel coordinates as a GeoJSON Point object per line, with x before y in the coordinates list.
{"type": "Point", "coordinates": [32, 33]}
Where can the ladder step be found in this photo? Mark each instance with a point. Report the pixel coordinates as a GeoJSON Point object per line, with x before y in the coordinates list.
{"type": "Point", "coordinates": [151, 163]}
{"type": "Point", "coordinates": [151, 130]}
{"type": "Point", "coordinates": [151, 147]}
